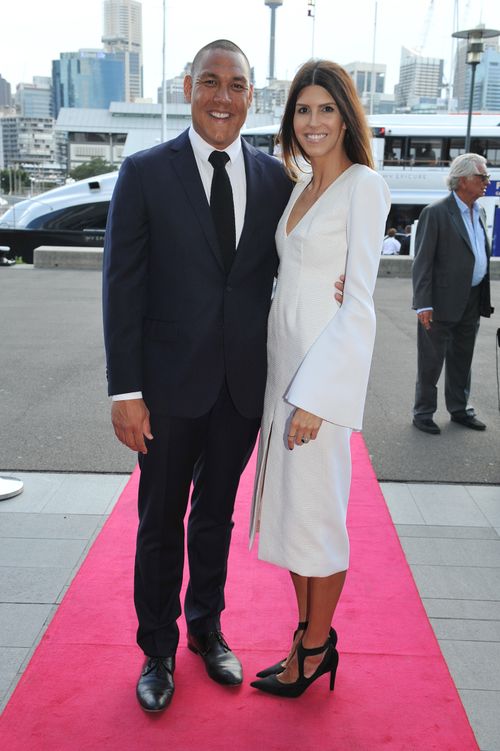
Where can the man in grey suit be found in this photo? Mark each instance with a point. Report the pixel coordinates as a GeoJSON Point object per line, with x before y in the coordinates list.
{"type": "Point", "coordinates": [451, 290]}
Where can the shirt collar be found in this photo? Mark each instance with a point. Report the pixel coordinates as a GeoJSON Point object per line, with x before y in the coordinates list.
{"type": "Point", "coordinates": [204, 149]}
{"type": "Point", "coordinates": [463, 206]}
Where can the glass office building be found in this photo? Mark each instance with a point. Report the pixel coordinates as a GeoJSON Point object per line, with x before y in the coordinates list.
{"type": "Point", "coordinates": [89, 79]}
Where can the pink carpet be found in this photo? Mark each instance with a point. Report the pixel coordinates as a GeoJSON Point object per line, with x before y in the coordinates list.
{"type": "Point", "coordinates": [393, 688]}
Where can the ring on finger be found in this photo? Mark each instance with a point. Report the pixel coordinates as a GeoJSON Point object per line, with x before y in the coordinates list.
{"type": "Point", "coordinates": [305, 439]}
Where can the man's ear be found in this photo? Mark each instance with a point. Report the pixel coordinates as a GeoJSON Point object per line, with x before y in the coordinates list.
{"type": "Point", "coordinates": [188, 88]}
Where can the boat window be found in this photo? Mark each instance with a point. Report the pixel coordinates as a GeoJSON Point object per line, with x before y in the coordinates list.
{"type": "Point", "coordinates": [457, 146]}
{"type": "Point", "coordinates": [487, 147]}
{"type": "Point", "coordinates": [425, 151]}
{"type": "Point", "coordinates": [491, 151]}
{"type": "Point", "coordinates": [393, 151]}
{"type": "Point", "coordinates": [76, 218]}
{"type": "Point", "coordinates": [403, 214]}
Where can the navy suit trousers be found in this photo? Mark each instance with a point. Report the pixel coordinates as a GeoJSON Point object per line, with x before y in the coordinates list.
{"type": "Point", "coordinates": [211, 451]}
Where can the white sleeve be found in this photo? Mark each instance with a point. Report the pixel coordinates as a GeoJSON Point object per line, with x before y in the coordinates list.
{"type": "Point", "coordinates": [332, 380]}
{"type": "Point", "coordinates": [124, 397]}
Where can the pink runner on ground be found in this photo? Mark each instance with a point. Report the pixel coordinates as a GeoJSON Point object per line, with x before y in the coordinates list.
{"type": "Point", "coordinates": [393, 688]}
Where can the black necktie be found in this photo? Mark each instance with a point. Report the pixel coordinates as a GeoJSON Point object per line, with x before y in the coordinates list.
{"type": "Point", "coordinates": [222, 207]}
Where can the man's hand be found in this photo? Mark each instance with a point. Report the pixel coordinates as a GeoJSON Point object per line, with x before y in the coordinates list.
{"type": "Point", "coordinates": [130, 418]}
{"type": "Point", "coordinates": [304, 427]}
{"type": "Point", "coordinates": [425, 318]}
{"type": "Point", "coordinates": [339, 296]}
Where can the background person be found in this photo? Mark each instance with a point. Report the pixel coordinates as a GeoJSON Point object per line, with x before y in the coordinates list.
{"type": "Point", "coordinates": [391, 246]}
{"type": "Point", "coordinates": [318, 360]}
{"type": "Point", "coordinates": [405, 241]}
{"type": "Point", "coordinates": [451, 290]}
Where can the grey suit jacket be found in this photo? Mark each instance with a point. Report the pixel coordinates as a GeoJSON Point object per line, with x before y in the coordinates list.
{"type": "Point", "coordinates": [444, 262]}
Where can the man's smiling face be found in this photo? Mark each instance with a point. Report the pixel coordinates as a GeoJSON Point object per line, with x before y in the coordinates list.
{"type": "Point", "coordinates": [220, 94]}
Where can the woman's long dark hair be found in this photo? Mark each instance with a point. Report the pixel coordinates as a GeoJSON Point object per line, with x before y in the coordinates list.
{"type": "Point", "coordinates": [339, 84]}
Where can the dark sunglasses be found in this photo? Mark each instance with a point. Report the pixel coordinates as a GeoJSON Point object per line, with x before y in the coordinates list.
{"type": "Point", "coordinates": [483, 176]}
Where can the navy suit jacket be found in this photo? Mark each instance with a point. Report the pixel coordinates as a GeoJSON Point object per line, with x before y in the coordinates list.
{"type": "Point", "coordinates": [176, 326]}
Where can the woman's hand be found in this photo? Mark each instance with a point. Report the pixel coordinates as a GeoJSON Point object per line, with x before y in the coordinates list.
{"type": "Point", "coordinates": [304, 427]}
{"type": "Point", "coordinates": [339, 286]}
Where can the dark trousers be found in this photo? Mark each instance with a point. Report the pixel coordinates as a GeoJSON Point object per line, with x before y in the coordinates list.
{"type": "Point", "coordinates": [451, 343]}
{"type": "Point", "coordinates": [211, 451]}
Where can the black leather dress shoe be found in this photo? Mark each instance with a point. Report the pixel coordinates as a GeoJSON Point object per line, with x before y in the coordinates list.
{"type": "Point", "coordinates": [222, 665]}
{"type": "Point", "coordinates": [426, 425]}
{"type": "Point", "coordinates": [469, 421]}
{"type": "Point", "coordinates": [156, 684]}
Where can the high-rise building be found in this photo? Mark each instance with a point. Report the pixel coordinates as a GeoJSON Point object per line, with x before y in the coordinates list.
{"type": "Point", "coordinates": [31, 143]}
{"type": "Point", "coordinates": [175, 87]}
{"type": "Point", "coordinates": [486, 95]}
{"type": "Point", "coordinates": [35, 99]}
{"type": "Point", "coordinates": [362, 74]}
{"type": "Point", "coordinates": [88, 79]}
{"type": "Point", "coordinates": [419, 78]}
{"type": "Point", "coordinates": [462, 71]}
{"type": "Point", "coordinates": [123, 37]}
{"type": "Point", "coordinates": [5, 93]}
{"type": "Point", "coordinates": [272, 98]}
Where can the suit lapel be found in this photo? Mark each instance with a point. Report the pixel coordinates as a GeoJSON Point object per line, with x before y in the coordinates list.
{"type": "Point", "coordinates": [185, 166]}
{"type": "Point", "coordinates": [482, 220]}
{"type": "Point", "coordinates": [456, 217]}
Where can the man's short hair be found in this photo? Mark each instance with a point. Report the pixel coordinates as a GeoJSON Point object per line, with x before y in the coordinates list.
{"type": "Point", "coordinates": [464, 165]}
{"type": "Point", "coordinates": [219, 44]}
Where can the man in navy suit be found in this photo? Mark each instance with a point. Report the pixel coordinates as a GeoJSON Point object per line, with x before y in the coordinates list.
{"type": "Point", "coordinates": [186, 356]}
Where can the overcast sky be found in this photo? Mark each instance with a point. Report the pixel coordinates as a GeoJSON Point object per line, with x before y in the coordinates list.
{"type": "Point", "coordinates": [34, 32]}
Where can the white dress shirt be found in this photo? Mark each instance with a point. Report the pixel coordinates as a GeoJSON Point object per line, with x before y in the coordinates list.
{"type": "Point", "coordinates": [236, 170]}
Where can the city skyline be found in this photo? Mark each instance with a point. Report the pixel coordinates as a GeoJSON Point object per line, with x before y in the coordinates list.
{"type": "Point", "coordinates": [223, 18]}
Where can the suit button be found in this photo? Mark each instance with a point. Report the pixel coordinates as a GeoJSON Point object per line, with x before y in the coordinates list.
{"type": "Point", "coordinates": [229, 288]}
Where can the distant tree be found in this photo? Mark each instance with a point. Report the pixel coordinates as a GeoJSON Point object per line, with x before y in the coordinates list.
{"type": "Point", "coordinates": [95, 167]}
{"type": "Point", "coordinates": [13, 180]}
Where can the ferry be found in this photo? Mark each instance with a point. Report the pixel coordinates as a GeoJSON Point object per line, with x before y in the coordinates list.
{"type": "Point", "coordinates": [411, 152]}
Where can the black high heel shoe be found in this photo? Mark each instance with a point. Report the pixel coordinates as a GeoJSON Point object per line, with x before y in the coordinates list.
{"type": "Point", "coordinates": [278, 667]}
{"type": "Point", "coordinates": [272, 685]}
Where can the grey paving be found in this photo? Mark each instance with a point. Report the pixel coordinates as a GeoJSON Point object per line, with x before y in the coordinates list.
{"type": "Point", "coordinates": [466, 629]}
{"type": "Point", "coordinates": [48, 526]}
{"type": "Point", "coordinates": [399, 451]}
{"type": "Point", "coordinates": [32, 585]}
{"type": "Point", "coordinates": [10, 659]}
{"type": "Point", "coordinates": [45, 534]}
{"type": "Point", "coordinates": [21, 623]}
{"type": "Point", "coordinates": [457, 582]}
{"type": "Point", "coordinates": [453, 548]}
{"type": "Point", "coordinates": [482, 710]}
{"type": "Point", "coordinates": [53, 395]}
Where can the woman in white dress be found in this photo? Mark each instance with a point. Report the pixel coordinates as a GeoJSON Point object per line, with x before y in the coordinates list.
{"type": "Point", "coordinates": [319, 356]}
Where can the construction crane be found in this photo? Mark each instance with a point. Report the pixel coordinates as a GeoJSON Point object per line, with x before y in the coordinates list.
{"type": "Point", "coordinates": [426, 27]}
